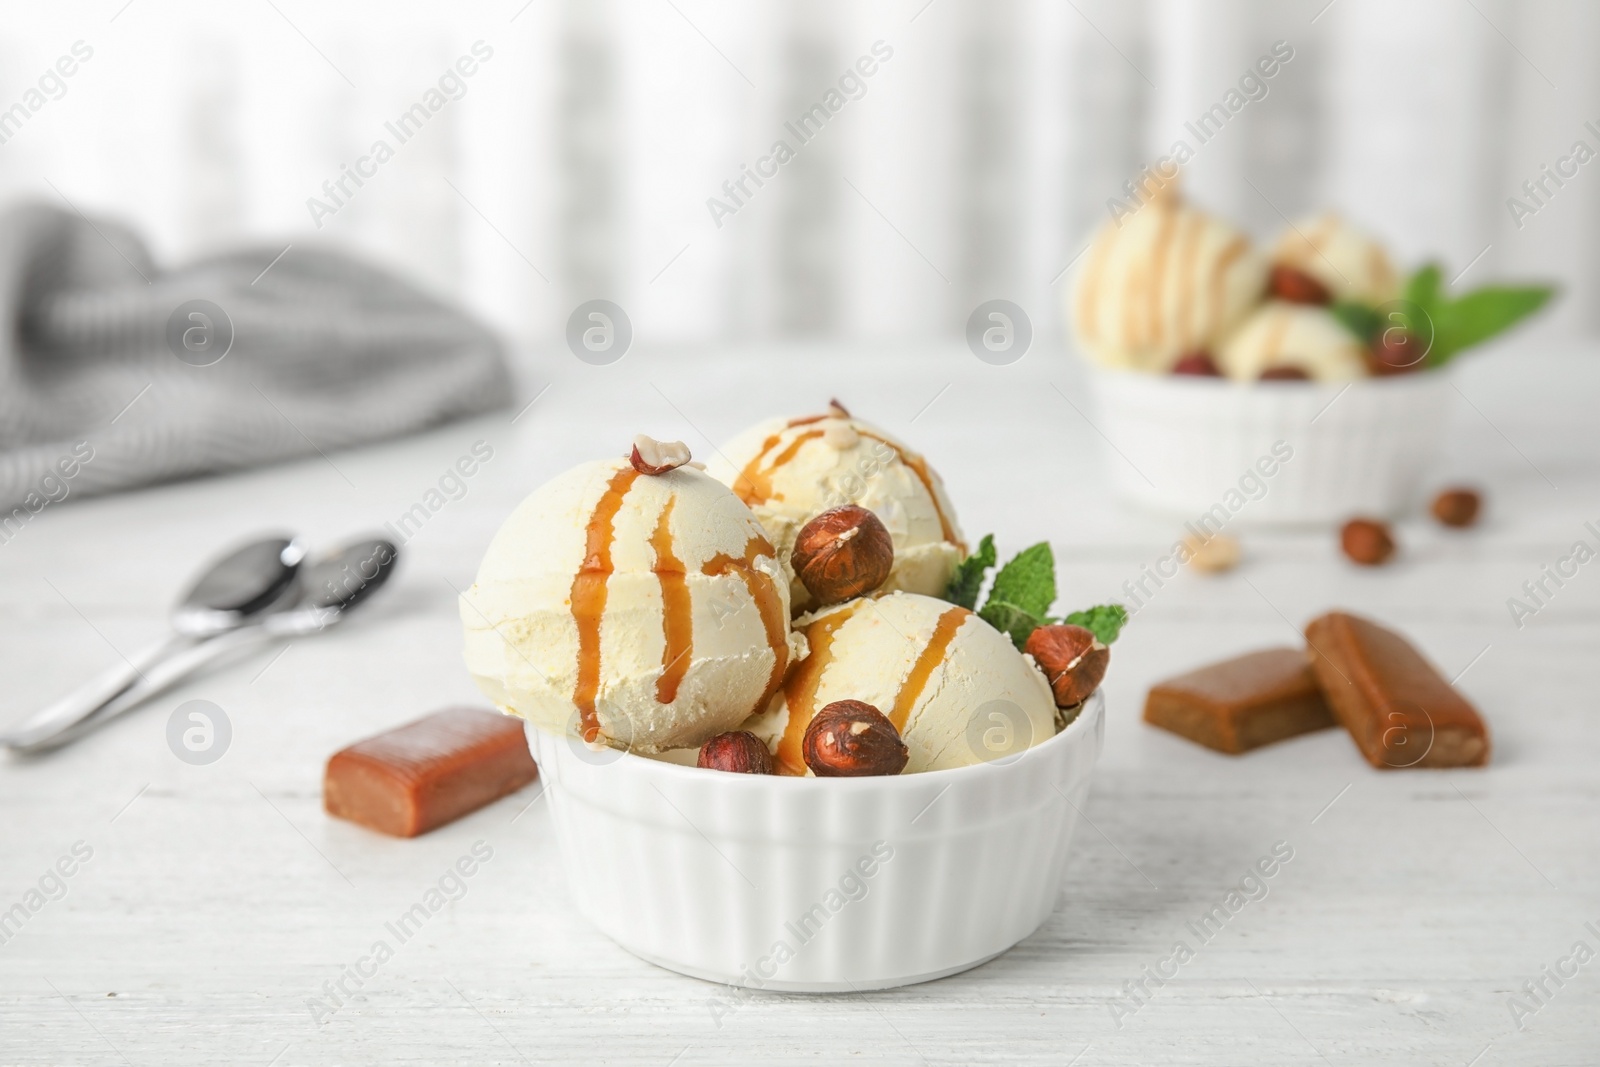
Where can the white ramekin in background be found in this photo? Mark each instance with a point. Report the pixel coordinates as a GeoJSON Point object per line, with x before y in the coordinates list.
{"type": "Point", "coordinates": [905, 878]}
{"type": "Point", "coordinates": [1181, 443]}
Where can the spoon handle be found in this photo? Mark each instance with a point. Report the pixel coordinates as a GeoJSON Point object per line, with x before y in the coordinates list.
{"type": "Point", "coordinates": [173, 668]}
{"type": "Point", "coordinates": [156, 679]}
{"type": "Point", "coordinates": [84, 701]}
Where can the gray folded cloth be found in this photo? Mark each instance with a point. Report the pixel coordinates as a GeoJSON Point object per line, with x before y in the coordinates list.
{"type": "Point", "coordinates": [106, 373]}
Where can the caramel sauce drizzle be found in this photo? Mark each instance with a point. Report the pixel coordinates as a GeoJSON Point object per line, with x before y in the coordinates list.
{"type": "Point", "coordinates": [1164, 241]}
{"type": "Point", "coordinates": [1188, 258]}
{"type": "Point", "coordinates": [1132, 286]}
{"type": "Point", "coordinates": [1272, 346]}
{"type": "Point", "coordinates": [1089, 295]}
{"type": "Point", "coordinates": [764, 591]}
{"type": "Point", "coordinates": [933, 654]}
{"type": "Point", "coordinates": [589, 595]}
{"type": "Point", "coordinates": [919, 467]}
{"type": "Point", "coordinates": [677, 617]}
{"type": "Point", "coordinates": [1219, 276]}
{"type": "Point", "coordinates": [800, 688]}
{"type": "Point", "coordinates": [1378, 268]}
{"type": "Point", "coordinates": [754, 485]}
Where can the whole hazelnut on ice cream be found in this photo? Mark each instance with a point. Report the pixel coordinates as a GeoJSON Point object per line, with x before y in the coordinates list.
{"type": "Point", "coordinates": [852, 739]}
{"type": "Point", "coordinates": [1072, 658]}
{"type": "Point", "coordinates": [739, 751]}
{"type": "Point", "coordinates": [842, 553]}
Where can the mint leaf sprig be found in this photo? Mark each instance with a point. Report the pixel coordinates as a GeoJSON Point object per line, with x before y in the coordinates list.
{"type": "Point", "coordinates": [1446, 326]}
{"type": "Point", "coordinates": [1105, 621]}
{"type": "Point", "coordinates": [1023, 591]}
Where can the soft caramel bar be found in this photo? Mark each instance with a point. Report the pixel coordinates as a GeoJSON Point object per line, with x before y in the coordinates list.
{"type": "Point", "coordinates": [419, 776]}
{"type": "Point", "coordinates": [1241, 703]}
{"type": "Point", "coordinates": [1400, 711]}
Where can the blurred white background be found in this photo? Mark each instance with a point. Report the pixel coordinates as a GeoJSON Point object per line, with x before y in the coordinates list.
{"type": "Point", "coordinates": [578, 161]}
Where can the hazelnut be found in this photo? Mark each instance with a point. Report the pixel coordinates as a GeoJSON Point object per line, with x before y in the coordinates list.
{"type": "Point", "coordinates": [1367, 541]}
{"type": "Point", "coordinates": [1197, 364]}
{"type": "Point", "coordinates": [1395, 351]}
{"type": "Point", "coordinates": [1457, 507]}
{"type": "Point", "coordinates": [1072, 658]}
{"type": "Point", "coordinates": [1213, 554]}
{"type": "Point", "coordinates": [842, 553]}
{"type": "Point", "coordinates": [1285, 373]}
{"type": "Point", "coordinates": [1296, 286]}
{"type": "Point", "coordinates": [657, 457]}
{"type": "Point", "coordinates": [739, 751]}
{"type": "Point", "coordinates": [852, 739]}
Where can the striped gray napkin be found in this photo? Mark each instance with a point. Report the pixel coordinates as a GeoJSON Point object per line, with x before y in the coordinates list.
{"type": "Point", "coordinates": [116, 373]}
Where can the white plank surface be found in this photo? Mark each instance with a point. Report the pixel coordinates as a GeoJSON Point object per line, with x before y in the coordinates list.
{"type": "Point", "coordinates": [219, 898]}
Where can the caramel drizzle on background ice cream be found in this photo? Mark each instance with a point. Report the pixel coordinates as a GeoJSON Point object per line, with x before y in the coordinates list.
{"type": "Point", "coordinates": [1089, 295]}
{"type": "Point", "coordinates": [919, 467]}
{"type": "Point", "coordinates": [1158, 275]}
{"type": "Point", "coordinates": [754, 486]}
{"type": "Point", "coordinates": [800, 688]}
{"type": "Point", "coordinates": [589, 595]}
{"type": "Point", "coordinates": [764, 591]}
{"type": "Point", "coordinates": [933, 655]}
{"type": "Point", "coordinates": [1188, 262]}
{"type": "Point", "coordinates": [677, 616]}
{"type": "Point", "coordinates": [1219, 277]}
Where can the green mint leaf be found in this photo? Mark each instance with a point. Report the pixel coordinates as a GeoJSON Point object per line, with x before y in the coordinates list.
{"type": "Point", "coordinates": [963, 588]}
{"type": "Point", "coordinates": [1424, 287]}
{"type": "Point", "coordinates": [1480, 315]}
{"type": "Point", "coordinates": [1010, 620]}
{"type": "Point", "coordinates": [1105, 621]}
{"type": "Point", "coordinates": [1358, 318]}
{"type": "Point", "coordinates": [1028, 582]}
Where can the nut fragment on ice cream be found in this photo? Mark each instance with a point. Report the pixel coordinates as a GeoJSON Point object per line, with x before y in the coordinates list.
{"type": "Point", "coordinates": [791, 470]}
{"type": "Point", "coordinates": [646, 611]}
{"type": "Point", "coordinates": [1347, 262]}
{"type": "Point", "coordinates": [956, 688]}
{"type": "Point", "coordinates": [1166, 280]}
{"type": "Point", "coordinates": [1299, 336]}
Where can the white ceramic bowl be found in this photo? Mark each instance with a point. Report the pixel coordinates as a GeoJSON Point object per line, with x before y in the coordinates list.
{"type": "Point", "coordinates": [1180, 444]}
{"type": "Point", "coordinates": [867, 883]}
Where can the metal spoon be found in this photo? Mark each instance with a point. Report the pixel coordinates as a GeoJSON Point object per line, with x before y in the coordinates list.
{"type": "Point", "coordinates": [228, 594]}
{"type": "Point", "coordinates": [329, 587]}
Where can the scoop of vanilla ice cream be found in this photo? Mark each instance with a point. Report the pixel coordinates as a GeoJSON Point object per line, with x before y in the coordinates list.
{"type": "Point", "coordinates": [791, 470]}
{"type": "Point", "coordinates": [1348, 263]}
{"type": "Point", "coordinates": [642, 611]}
{"type": "Point", "coordinates": [1166, 280]}
{"type": "Point", "coordinates": [1292, 335]}
{"type": "Point", "coordinates": [957, 689]}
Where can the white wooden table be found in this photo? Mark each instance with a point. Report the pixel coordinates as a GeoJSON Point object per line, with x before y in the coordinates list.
{"type": "Point", "coordinates": [218, 899]}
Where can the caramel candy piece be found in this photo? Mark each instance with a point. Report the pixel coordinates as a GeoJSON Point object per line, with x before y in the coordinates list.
{"type": "Point", "coordinates": [1241, 703]}
{"type": "Point", "coordinates": [419, 776]}
{"type": "Point", "coordinates": [1400, 711]}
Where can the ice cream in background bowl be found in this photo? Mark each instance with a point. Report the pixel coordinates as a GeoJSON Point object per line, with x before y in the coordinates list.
{"type": "Point", "coordinates": [1347, 262]}
{"type": "Point", "coordinates": [1291, 341]}
{"type": "Point", "coordinates": [644, 612]}
{"type": "Point", "coordinates": [1209, 358]}
{"type": "Point", "coordinates": [1169, 280]}
{"type": "Point", "coordinates": [789, 470]}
